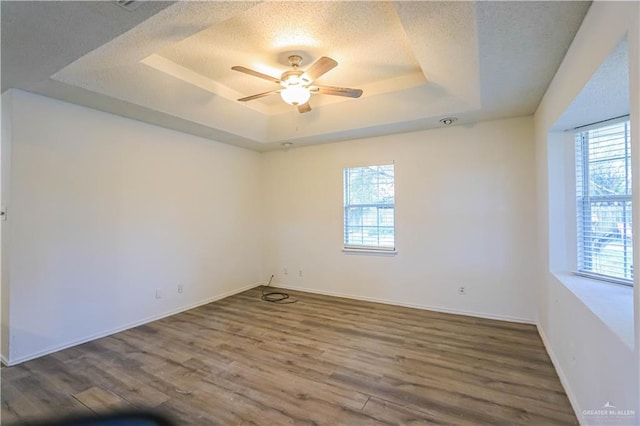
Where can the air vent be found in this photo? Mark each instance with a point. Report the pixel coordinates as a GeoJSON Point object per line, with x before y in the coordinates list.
{"type": "Point", "coordinates": [129, 5]}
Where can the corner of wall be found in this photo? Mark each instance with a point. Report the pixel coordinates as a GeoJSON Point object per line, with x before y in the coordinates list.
{"type": "Point", "coordinates": [6, 110]}
{"type": "Point", "coordinates": [575, 404]}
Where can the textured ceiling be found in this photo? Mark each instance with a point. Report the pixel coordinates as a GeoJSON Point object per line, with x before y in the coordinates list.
{"type": "Point", "coordinates": [605, 96]}
{"type": "Point", "coordinates": [170, 63]}
{"type": "Point", "coordinates": [377, 50]}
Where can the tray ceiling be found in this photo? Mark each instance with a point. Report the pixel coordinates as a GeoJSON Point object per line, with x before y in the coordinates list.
{"type": "Point", "coordinates": [170, 63]}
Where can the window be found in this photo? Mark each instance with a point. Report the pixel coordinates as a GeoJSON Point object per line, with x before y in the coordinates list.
{"type": "Point", "coordinates": [603, 201]}
{"type": "Point", "coordinates": [369, 208]}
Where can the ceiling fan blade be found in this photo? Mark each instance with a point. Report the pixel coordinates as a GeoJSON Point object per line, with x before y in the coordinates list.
{"type": "Point", "coordinates": [255, 74]}
{"type": "Point", "coordinates": [319, 67]}
{"type": "Point", "coordinates": [337, 91]}
{"type": "Point", "coordinates": [304, 108]}
{"type": "Point", "coordinates": [259, 95]}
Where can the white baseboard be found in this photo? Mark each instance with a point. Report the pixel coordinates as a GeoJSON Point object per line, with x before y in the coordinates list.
{"type": "Point", "coordinates": [57, 348]}
{"type": "Point", "coordinates": [410, 305]}
{"type": "Point", "coordinates": [4, 360]}
{"type": "Point", "coordinates": [240, 290]}
{"type": "Point", "coordinates": [563, 379]}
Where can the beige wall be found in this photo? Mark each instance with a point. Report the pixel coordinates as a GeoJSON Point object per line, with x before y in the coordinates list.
{"type": "Point", "coordinates": [581, 322]}
{"type": "Point", "coordinates": [105, 211]}
{"type": "Point", "coordinates": [465, 216]}
{"type": "Point", "coordinates": [5, 165]}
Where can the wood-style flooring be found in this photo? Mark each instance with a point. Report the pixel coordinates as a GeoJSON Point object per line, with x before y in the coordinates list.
{"type": "Point", "coordinates": [322, 360]}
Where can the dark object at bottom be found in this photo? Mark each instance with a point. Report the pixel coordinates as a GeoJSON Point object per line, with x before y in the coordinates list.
{"type": "Point", "coordinates": [121, 419]}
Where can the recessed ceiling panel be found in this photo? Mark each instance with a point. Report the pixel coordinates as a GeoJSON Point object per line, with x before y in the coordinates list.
{"type": "Point", "coordinates": [366, 38]}
{"type": "Point", "coordinates": [417, 62]}
{"type": "Point", "coordinates": [445, 40]}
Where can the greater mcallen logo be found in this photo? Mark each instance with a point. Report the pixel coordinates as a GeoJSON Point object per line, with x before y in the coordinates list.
{"type": "Point", "coordinates": [609, 410]}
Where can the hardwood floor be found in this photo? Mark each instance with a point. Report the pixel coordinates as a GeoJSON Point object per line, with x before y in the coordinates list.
{"type": "Point", "coordinates": [322, 360]}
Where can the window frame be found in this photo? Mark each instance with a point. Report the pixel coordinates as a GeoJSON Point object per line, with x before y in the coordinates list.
{"type": "Point", "coordinates": [367, 248]}
{"type": "Point", "coordinates": [584, 200]}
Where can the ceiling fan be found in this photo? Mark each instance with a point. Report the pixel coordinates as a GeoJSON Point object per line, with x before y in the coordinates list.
{"type": "Point", "coordinates": [297, 84]}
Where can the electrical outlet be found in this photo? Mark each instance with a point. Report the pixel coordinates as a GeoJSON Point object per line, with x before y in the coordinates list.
{"type": "Point", "coordinates": [285, 271]}
{"type": "Point", "coordinates": [180, 288]}
{"type": "Point", "coordinates": [462, 290]}
{"type": "Point", "coordinates": [158, 294]}
{"type": "Point", "coordinates": [300, 273]}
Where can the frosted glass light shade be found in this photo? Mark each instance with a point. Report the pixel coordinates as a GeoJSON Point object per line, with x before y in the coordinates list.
{"type": "Point", "coordinates": [295, 95]}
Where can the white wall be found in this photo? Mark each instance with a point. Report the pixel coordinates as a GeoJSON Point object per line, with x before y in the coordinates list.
{"type": "Point", "coordinates": [105, 210]}
{"type": "Point", "coordinates": [595, 364]}
{"type": "Point", "coordinates": [465, 216]}
{"type": "Point", "coordinates": [5, 163]}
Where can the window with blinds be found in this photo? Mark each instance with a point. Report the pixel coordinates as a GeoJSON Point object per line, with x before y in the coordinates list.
{"type": "Point", "coordinates": [603, 201]}
{"type": "Point", "coordinates": [369, 207]}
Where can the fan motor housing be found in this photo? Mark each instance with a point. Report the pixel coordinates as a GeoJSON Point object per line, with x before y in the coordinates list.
{"type": "Point", "coordinates": [293, 78]}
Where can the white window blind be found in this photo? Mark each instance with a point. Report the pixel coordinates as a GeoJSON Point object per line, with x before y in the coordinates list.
{"type": "Point", "coordinates": [603, 201]}
{"type": "Point", "coordinates": [369, 207]}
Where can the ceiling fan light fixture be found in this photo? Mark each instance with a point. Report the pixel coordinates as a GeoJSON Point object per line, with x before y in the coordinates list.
{"type": "Point", "coordinates": [293, 78]}
{"type": "Point", "coordinates": [296, 84]}
{"type": "Point", "coordinates": [295, 95]}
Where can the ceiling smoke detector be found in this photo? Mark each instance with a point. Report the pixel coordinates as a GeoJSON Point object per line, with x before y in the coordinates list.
{"type": "Point", "coordinates": [448, 121]}
{"type": "Point", "coordinates": [129, 5]}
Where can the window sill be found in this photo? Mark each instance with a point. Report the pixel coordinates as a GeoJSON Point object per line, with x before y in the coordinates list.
{"type": "Point", "coordinates": [611, 303]}
{"type": "Point", "coordinates": [370, 251]}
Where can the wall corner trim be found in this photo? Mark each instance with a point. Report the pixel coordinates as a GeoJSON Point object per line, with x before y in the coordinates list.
{"type": "Point", "coordinates": [563, 380]}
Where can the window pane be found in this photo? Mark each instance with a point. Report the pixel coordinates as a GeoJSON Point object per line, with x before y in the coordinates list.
{"type": "Point", "coordinates": [603, 189]}
{"type": "Point", "coordinates": [369, 206]}
{"type": "Point", "coordinates": [607, 245]}
{"type": "Point", "coordinates": [608, 178]}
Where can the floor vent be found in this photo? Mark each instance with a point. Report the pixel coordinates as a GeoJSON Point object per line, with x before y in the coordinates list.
{"type": "Point", "coordinates": [129, 5]}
